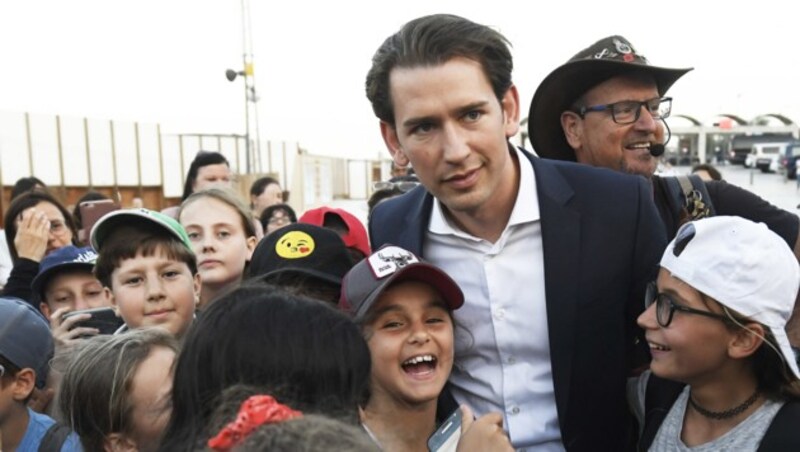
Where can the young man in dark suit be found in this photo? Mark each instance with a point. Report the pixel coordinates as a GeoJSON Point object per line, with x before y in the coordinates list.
{"type": "Point", "coordinates": [553, 257]}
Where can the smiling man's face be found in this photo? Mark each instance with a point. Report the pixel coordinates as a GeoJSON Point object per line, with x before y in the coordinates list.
{"type": "Point", "coordinates": [599, 141]}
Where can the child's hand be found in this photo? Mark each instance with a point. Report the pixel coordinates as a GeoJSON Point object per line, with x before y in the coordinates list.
{"type": "Point", "coordinates": [62, 334]}
{"type": "Point", "coordinates": [484, 434]}
{"type": "Point", "coordinates": [33, 233]}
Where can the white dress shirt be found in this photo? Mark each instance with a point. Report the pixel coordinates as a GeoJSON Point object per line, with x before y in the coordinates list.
{"type": "Point", "coordinates": [502, 343]}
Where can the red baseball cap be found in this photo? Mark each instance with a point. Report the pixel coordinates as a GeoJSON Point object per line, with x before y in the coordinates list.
{"type": "Point", "coordinates": [356, 235]}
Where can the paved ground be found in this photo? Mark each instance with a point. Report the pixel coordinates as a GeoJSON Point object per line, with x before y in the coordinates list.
{"type": "Point", "coordinates": [775, 188]}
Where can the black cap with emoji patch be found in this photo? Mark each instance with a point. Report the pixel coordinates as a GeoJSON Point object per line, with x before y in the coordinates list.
{"type": "Point", "coordinates": [301, 249]}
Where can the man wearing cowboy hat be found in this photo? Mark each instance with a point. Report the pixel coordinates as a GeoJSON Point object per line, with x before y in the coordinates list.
{"type": "Point", "coordinates": [589, 110]}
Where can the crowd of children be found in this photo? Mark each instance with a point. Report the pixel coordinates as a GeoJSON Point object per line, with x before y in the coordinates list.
{"type": "Point", "coordinates": [306, 339]}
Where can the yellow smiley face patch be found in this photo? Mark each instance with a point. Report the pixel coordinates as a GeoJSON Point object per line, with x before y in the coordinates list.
{"type": "Point", "coordinates": [294, 245]}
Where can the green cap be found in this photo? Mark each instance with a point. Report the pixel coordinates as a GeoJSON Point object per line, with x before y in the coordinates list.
{"type": "Point", "coordinates": [110, 221]}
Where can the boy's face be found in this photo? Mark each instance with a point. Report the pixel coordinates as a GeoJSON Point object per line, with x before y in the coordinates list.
{"type": "Point", "coordinates": [76, 289]}
{"type": "Point", "coordinates": [155, 291]}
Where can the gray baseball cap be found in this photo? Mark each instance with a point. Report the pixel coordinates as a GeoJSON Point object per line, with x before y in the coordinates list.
{"type": "Point", "coordinates": [25, 337]}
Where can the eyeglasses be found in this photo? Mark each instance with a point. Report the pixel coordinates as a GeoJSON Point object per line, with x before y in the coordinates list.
{"type": "Point", "coordinates": [403, 186]}
{"type": "Point", "coordinates": [666, 307]}
{"type": "Point", "coordinates": [628, 111]}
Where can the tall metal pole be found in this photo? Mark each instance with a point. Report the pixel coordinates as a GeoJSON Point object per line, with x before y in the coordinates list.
{"type": "Point", "coordinates": [248, 71]}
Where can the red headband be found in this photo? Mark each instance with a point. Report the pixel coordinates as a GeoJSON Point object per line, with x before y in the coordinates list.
{"type": "Point", "coordinates": [254, 412]}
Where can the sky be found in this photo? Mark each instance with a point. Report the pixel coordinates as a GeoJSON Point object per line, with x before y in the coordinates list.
{"type": "Point", "coordinates": [163, 61]}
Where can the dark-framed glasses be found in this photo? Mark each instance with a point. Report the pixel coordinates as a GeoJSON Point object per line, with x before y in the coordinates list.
{"type": "Point", "coordinates": [666, 307]}
{"type": "Point", "coordinates": [628, 111]}
{"type": "Point", "coordinates": [403, 186]}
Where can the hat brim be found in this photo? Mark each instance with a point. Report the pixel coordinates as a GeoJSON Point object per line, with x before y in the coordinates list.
{"type": "Point", "coordinates": [38, 283]}
{"type": "Point", "coordinates": [567, 83]}
{"type": "Point", "coordinates": [786, 349]}
{"type": "Point", "coordinates": [422, 272]}
{"type": "Point", "coordinates": [309, 272]}
{"type": "Point", "coordinates": [106, 224]}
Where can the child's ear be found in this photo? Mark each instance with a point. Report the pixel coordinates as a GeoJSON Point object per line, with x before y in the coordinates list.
{"type": "Point", "coordinates": [117, 442]}
{"type": "Point", "coordinates": [198, 284]}
{"type": "Point", "coordinates": [251, 245]}
{"type": "Point", "coordinates": [44, 308]}
{"type": "Point", "coordinates": [745, 341]}
{"type": "Point", "coordinates": [24, 382]}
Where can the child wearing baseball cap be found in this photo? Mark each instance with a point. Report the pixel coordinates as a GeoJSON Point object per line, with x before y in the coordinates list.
{"type": "Point", "coordinates": [715, 322]}
{"type": "Point", "coordinates": [146, 262]}
{"type": "Point", "coordinates": [66, 283]}
{"type": "Point", "coordinates": [404, 308]}
{"type": "Point", "coordinates": [26, 348]}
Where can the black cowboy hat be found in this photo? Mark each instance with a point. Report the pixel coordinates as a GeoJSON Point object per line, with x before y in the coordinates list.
{"type": "Point", "coordinates": [607, 58]}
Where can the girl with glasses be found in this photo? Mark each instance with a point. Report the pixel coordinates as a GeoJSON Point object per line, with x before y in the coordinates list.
{"type": "Point", "coordinates": [715, 323]}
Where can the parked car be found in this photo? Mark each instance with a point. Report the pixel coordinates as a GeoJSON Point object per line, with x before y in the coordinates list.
{"type": "Point", "coordinates": [766, 156]}
{"type": "Point", "coordinates": [789, 160]}
{"type": "Point", "coordinates": [741, 146]}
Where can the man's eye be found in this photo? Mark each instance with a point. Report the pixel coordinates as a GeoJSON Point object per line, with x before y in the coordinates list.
{"type": "Point", "coordinates": [624, 108]}
{"type": "Point", "coordinates": [422, 128]}
{"type": "Point", "coordinates": [473, 115]}
{"type": "Point", "coordinates": [134, 280]}
{"type": "Point", "coordinates": [193, 236]}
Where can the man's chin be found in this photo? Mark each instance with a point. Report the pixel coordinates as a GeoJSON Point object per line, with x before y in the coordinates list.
{"type": "Point", "coordinates": [643, 167]}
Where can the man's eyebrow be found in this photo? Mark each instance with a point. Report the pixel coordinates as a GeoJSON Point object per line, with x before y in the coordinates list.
{"type": "Point", "coordinates": [413, 122]}
{"type": "Point", "coordinates": [469, 107]}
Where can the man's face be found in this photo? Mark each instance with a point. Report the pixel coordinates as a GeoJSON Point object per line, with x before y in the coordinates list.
{"type": "Point", "coordinates": [453, 130]}
{"type": "Point", "coordinates": [599, 141]}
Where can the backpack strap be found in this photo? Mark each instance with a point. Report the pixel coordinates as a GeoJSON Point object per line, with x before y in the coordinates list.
{"type": "Point", "coordinates": [782, 434]}
{"type": "Point", "coordinates": [55, 437]}
{"type": "Point", "coordinates": [689, 192]}
{"type": "Point", "coordinates": [660, 395]}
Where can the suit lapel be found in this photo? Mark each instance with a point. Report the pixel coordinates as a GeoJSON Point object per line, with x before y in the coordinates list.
{"type": "Point", "coordinates": [561, 248]}
{"type": "Point", "coordinates": [415, 221]}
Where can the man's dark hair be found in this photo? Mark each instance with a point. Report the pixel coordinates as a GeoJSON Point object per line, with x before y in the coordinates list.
{"type": "Point", "coordinates": [432, 41]}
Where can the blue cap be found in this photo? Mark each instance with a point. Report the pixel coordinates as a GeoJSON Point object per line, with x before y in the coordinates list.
{"type": "Point", "coordinates": [66, 258]}
{"type": "Point", "coordinates": [25, 337]}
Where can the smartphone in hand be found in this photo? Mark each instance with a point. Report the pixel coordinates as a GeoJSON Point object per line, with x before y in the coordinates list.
{"type": "Point", "coordinates": [104, 319]}
{"type": "Point", "coordinates": [445, 438]}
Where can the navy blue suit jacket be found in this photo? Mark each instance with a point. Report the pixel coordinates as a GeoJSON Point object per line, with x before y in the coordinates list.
{"type": "Point", "coordinates": [602, 242]}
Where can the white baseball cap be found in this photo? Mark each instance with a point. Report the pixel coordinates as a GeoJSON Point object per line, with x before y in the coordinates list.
{"type": "Point", "coordinates": [744, 266]}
